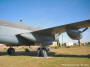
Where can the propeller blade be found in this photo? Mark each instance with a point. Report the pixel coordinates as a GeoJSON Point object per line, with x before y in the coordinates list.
{"type": "Point", "coordinates": [79, 42]}
{"type": "Point", "coordinates": [85, 29]}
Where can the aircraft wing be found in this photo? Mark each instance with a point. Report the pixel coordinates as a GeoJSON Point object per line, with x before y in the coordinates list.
{"type": "Point", "coordinates": [63, 28]}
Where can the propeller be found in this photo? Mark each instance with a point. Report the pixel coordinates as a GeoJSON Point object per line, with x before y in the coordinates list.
{"type": "Point", "coordinates": [79, 41]}
{"type": "Point", "coordinates": [84, 30]}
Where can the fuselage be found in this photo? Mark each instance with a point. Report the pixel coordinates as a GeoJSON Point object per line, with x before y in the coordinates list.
{"type": "Point", "coordinates": [9, 30]}
{"type": "Point", "coordinates": [9, 34]}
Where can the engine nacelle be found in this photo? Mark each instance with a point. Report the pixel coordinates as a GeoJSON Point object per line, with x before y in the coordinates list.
{"type": "Point", "coordinates": [74, 34]}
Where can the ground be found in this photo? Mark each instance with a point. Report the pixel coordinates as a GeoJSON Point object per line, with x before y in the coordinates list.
{"type": "Point", "coordinates": [60, 57]}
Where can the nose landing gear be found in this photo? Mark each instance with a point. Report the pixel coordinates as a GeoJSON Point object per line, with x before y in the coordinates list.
{"type": "Point", "coordinates": [42, 52]}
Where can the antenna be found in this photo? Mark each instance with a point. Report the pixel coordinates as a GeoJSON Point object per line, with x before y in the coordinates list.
{"type": "Point", "coordinates": [21, 19]}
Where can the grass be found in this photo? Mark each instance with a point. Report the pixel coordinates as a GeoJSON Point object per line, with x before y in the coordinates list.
{"type": "Point", "coordinates": [26, 61]}
{"type": "Point", "coordinates": [83, 50]}
{"type": "Point", "coordinates": [61, 57]}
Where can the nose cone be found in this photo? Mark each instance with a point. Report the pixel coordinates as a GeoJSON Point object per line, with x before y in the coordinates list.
{"type": "Point", "coordinates": [74, 34]}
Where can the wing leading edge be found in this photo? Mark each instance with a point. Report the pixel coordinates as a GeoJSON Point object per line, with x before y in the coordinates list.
{"type": "Point", "coordinates": [63, 28]}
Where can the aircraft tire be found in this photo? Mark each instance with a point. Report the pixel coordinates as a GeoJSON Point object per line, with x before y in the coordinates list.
{"type": "Point", "coordinates": [11, 51]}
{"type": "Point", "coordinates": [42, 52]}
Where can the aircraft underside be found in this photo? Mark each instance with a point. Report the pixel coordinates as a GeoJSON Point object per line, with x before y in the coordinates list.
{"type": "Point", "coordinates": [12, 34]}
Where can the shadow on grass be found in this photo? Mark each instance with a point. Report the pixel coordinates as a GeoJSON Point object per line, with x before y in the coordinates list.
{"type": "Point", "coordinates": [68, 55]}
{"type": "Point", "coordinates": [51, 54]}
{"type": "Point", "coordinates": [20, 53]}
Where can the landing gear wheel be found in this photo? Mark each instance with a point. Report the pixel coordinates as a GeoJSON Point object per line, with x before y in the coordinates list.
{"type": "Point", "coordinates": [11, 51]}
{"type": "Point", "coordinates": [42, 52]}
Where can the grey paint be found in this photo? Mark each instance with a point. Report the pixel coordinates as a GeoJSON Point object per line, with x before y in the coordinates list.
{"type": "Point", "coordinates": [74, 34]}
{"type": "Point", "coordinates": [8, 34]}
{"type": "Point", "coordinates": [20, 34]}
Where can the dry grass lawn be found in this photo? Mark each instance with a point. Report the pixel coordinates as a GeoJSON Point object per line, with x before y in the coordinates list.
{"type": "Point", "coordinates": [63, 57]}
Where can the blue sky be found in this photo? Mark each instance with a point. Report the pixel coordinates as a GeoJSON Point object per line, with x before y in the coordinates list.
{"type": "Point", "coordinates": [47, 13]}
